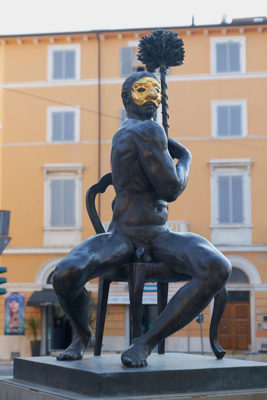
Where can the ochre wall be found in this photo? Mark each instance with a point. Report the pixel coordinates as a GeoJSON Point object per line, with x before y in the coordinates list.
{"type": "Point", "coordinates": [191, 89]}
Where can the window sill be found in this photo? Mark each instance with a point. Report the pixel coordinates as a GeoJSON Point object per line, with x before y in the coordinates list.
{"type": "Point", "coordinates": [63, 141]}
{"type": "Point", "coordinates": [230, 226]}
{"type": "Point", "coordinates": [229, 73]}
{"type": "Point", "coordinates": [62, 237]}
{"type": "Point", "coordinates": [231, 234]}
{"type": "Point", "coordinates": [243, 135]}
{"type": "Point", "coordinates": [63, 80]}
{"type": "Point", "coordinates": [69, 228]}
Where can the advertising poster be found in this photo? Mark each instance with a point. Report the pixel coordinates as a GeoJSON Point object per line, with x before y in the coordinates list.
{"type": "Point", "coordinates": [15, 314]}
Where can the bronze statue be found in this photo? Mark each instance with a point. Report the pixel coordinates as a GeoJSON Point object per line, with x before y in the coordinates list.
{"type": "Point", "coordinates": [145, 179]}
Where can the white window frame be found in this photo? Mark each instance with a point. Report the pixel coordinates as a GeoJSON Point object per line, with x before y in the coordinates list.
{"type": "Point", "coordinates": [62, 236]}
{"type": "Point", "coordinates": [238, 39]}
{"type": "Point", "coordinates": [136, 63]}
{"type": "Point", "coordinates": [244, 116]}
{"type": "Point", "coordinates": [230, 233]}
{"type": "Point", "coordinates": [64, 47]}
{"type": "Point", "coordinates": [51, 110]}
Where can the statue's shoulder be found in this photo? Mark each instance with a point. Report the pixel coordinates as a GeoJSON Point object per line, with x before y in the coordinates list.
{"type": "Point", "coordinates": [151, 131]}
{"type": "Point", "coordinates": [140, 131]}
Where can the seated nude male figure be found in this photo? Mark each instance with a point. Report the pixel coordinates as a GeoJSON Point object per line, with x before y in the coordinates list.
{"type": "Point", "coordinates": [145, 179]}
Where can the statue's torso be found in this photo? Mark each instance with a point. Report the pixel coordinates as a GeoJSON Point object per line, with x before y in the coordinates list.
{"type": "Point", "coordinates": [137, 205]}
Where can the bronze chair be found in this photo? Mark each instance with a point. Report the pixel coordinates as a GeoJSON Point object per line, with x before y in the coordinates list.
{"type": "Point", "coordinates": [137, 274]}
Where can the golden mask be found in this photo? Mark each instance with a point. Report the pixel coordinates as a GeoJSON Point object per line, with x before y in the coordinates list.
{"type": "Point", "coordinates": [146, 89]}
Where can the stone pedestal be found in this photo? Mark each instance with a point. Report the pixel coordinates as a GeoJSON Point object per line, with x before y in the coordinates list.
{"type": "Point", "coordinates": [167, 375]}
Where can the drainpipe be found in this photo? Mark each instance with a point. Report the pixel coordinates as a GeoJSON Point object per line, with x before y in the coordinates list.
{"type": "Point", "coordinates": [99, 116]}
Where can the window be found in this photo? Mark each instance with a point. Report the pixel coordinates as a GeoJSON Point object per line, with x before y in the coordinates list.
{"type": "Point", "coordinates": [228, 54]}
{"type": "Point", "coordinates": [229, 118]}
{"type": "Point", "coordinates": [62, 208]}
{"type": "Point", "coordinates": [129, 62]}
{"type": "Point", "coordinates": [230, 201]}
{"type": "Point", "coordinates": [64, 62]}
{"type": "Point", "coordinates": [63, 124]}
{"type": "Point", "coordinates": [62, 202]}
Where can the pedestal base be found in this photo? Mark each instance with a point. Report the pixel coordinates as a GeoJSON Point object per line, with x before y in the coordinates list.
{"type": "Point", "coordinates": [169, 374]}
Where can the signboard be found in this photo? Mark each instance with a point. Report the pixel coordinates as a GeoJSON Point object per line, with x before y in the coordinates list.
{"type": "Point", "coordinates": [15, 314]}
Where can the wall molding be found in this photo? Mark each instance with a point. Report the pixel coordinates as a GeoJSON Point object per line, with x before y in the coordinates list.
{"type": "Point", "coordinates": [27, 144]}
{"type": "Point", "coordinates": [37, 250]}
{"type": "Point", "coordinates": [254, 248]}
{"type": "Point", "coordinates": [95, 142]}
{"type": "Point", "coordinates": [120, 80]}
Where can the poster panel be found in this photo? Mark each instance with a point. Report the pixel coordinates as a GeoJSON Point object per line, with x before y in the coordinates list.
{"type": "Point", "coordinates": [15, 314]}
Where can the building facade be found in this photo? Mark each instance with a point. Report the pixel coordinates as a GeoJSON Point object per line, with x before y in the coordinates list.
{"type": "Point", "coordinates": [59, 108]}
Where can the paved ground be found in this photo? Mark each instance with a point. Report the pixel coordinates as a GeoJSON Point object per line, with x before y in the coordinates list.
{"type": "Point", "coordinates": [6, 368]}
{"type": "Point", "coordinates": [251, 356]}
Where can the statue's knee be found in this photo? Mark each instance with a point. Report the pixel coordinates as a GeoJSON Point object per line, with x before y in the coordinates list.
{"type": "Point", "coordinates": [221, 270]}
{"type": "Point", "coordinates": [59, 282]}
{"type": "Point", "coordinates": [62, 280]}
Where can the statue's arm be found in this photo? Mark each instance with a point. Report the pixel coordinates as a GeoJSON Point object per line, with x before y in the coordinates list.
{"type": "Point", "coordinates": [180, 152]}
{"type": "Point", "coordinates": [167, 179]}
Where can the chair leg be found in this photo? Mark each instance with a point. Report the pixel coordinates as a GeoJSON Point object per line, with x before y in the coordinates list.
{"type": "Point", "coordinates": [162, 295]}
{"type": "Point", "coordinates": [220, 302]}
{"type": "Point", "coordinates": [136, 286]}
{"type": "Point", "coordinates": [103, 289]}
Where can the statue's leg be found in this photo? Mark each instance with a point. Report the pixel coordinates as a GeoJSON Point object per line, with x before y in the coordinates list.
{"type": "Point", "coordinates": [90, 259]}
{"type": "Point", "coordinates": [193, 256]}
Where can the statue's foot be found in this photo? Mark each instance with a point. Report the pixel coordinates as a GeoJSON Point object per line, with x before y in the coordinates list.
{"type": "Point", "coordinates": [71, 353]}
{"type": "Point", "coordinates": [135, 356]}
{"type": "Point", "coordinates": [76, 349]}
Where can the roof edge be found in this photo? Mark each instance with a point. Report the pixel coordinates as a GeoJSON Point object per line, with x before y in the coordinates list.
{"type": "Point", "coordinates": [235, 22]}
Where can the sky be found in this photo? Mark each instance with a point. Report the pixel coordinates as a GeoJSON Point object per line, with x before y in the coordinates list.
{"type": "Point", "coordinates": [45, 16]}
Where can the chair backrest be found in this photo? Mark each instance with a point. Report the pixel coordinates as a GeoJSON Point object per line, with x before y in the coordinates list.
{"type": "Point", "coordinates": [92, 192]}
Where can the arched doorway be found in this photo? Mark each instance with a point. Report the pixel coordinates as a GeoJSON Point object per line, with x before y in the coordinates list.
{"type": "Point", "coordinates": [235, 326]}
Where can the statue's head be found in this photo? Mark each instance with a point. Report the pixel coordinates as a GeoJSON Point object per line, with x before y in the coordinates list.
{"type": "Point", "coordinates": [141, 94]}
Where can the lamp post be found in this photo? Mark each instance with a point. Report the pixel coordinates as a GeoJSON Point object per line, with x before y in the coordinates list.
{"type": "Point", "coordinates": [4, 240]}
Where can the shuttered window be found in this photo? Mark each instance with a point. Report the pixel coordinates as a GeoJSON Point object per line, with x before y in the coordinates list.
{"type": "Point", "coordinates": [127, 60]}
{"type": "Point", "coordinates": [64, 64]}
{"type": "Point", "coordinates": [231, 199]}
{"type": "Point", "coordinates": [63, 202]}
{"type": "Point", "coordinates": [229, 120]}
{"type": "Point", "coordinates": [63, 126]}
{"type": "Point", "coordinates": [228, 57]}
